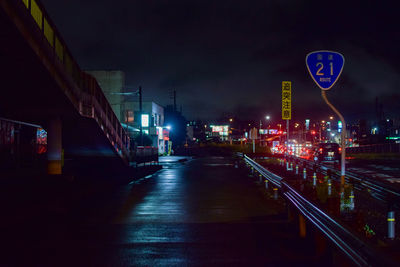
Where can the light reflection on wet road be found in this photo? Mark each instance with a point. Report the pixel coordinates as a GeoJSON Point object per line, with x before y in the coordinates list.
{"type": "Point", "coordinates": [197, 212]}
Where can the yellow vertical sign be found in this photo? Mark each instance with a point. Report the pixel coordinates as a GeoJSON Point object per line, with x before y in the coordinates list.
{"type": "Point", "coordinates": [286, 100]}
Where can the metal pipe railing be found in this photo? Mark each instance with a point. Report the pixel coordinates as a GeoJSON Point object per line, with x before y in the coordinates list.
{"type": "Point", "coordinates": [85, 84]}
{"type": "Point", "coordinates": [380, 191]}
{"type": "Point", "coordinates": [356, 250]}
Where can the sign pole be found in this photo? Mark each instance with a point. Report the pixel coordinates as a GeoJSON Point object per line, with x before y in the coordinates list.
{"type": "Point", "coordinates": [287, 132]}
{"type": "Point", "coordinates": [325, 68]}
{"type": "Point", "coordinates": [343, 137]}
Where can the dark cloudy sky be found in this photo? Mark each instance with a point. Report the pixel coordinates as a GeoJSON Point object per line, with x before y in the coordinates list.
{"type": "Point", "coordinates": [230, 57]}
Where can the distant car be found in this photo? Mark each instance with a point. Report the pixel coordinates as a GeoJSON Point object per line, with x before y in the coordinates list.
{"type": "Point", "coordinates": [327, 152]}
{"type": "Point", "coordinates": [305, 153]}
{"type": "Point", "coordinates": [307, 144]}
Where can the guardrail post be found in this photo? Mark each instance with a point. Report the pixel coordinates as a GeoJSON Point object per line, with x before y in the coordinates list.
{"type": "Point", "coordinates": [351, 205]}
{"type": "Point", "coordinates": [275, 193]}
{"type": "Point", "coordinates": [391, 224]}
{"type": "Point", "coordinates": [266, 184]}
{"type": "Point", "coordinates": [314, 179]}
{"type": "Point", "coordinates": [297, 169]}
{"type": "Point", "coordinates": [260, 177]}
{"type": "Point", "coordinates": [304, 173]}
{"type": "Point", "coordinates": [329, 187]}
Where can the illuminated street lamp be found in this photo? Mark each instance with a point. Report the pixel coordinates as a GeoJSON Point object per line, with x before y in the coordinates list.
{"type": "Point", "coordinates": [267, 118]}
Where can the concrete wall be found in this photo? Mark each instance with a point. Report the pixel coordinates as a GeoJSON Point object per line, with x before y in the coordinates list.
{"type": "Point", "coordinates": [112, 83]}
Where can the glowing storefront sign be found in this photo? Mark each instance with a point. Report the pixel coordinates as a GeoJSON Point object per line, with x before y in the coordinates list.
{"type": "Point", "coordinates": [340, 126]}
{"type": "Point", "coordinates": [145, 120]}
{"type": "Point", "coordinates": [221, 129]}
{"type": "Point", "coordinates": [268, 131]}
{"type": "Point", "coordinates": [160, 133]}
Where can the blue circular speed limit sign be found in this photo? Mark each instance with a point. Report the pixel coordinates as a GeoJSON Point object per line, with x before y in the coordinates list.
{"type": "Point", "coordinates": [325, 67]}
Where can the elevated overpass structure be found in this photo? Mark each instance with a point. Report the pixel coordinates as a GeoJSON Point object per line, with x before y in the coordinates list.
{"type": "Point", "coordinates": [42, 83]}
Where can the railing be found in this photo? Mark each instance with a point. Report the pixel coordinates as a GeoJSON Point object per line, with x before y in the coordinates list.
{"type": "Point", "coordinates": [381, 191]}
{"type": "Point", "coordinates": [358, 251]}
{"type": "Point", "coordinates": [82, 89]}
{"type": "Point", "coordinates": [375, 148]}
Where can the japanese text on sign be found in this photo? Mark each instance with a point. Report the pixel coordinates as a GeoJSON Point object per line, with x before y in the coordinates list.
{"type": "Point", "coordinates": [286, 100]}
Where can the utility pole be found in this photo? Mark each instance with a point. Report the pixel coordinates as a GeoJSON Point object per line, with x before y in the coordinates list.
{"type": "Point", "coordinates": [174, 100]}
{"type": "Point", "coordinates": [140, 115]}
{"type": "Point", "coordinates": [320, 133]}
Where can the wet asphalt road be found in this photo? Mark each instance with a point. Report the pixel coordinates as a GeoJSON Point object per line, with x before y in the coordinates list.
{"type": "Point", "coordinates": [202, 212]}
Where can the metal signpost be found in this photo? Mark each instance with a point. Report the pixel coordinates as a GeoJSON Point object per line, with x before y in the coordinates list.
{"type": "Point", "coordinates": [325, 68]}
{"type": "Point", "coordinates": [253, 136]}
{"type": "Point", "coordinates": [287, 107]}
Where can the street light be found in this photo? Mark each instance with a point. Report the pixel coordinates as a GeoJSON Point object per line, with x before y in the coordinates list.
{"type": "Point", "coordinates": [267, 117]}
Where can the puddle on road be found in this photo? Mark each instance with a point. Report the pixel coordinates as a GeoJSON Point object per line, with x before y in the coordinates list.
{"type": "Point", "coordinates": [218, 164]}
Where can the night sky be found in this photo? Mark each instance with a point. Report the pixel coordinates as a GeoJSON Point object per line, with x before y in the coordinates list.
{"type": "Point", "coordinates": [228, 58]}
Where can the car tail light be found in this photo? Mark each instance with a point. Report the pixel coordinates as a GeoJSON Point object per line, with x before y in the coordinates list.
{"type": "Point", "coordinates": [320, 150]}
{"type": "Point", "coordinates": [340, 149]}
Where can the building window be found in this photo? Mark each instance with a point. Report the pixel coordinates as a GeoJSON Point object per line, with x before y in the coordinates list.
{"type": "Point", "coordinates": [129, 116]}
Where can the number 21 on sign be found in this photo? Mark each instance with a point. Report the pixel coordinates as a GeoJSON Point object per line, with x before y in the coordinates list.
{"type": "Point", "coordinates": [325, 67]}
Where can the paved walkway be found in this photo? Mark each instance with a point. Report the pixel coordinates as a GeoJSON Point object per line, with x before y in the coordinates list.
{"type": "Point", "coordinates": [200, 212]}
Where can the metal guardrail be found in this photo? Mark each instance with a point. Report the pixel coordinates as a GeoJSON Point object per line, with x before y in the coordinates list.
{"type": "Point", "coordinates": [379, 190]}
{"type": "Point", "coordinates": [273, 178]}
{"type": "Point", "coordinates": [358, 251]}
{"type": "Point", "coordinates": [375, 148]}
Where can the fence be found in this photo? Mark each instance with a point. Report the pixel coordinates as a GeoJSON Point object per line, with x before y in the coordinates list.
{"type": "Point", "coordinates": [375, 148]}
{"type": "Point", "coordinates": [359, 252]}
